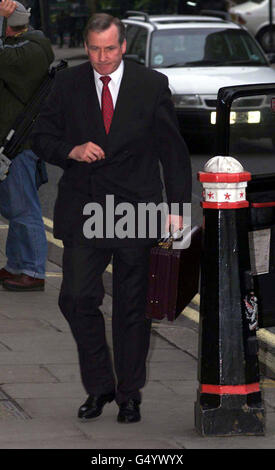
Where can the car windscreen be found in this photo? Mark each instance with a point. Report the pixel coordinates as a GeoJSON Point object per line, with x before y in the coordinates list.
{"type": "Point", "coordinates": [196, 47]}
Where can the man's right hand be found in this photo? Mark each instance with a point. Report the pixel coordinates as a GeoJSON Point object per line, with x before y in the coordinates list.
{"type": "Point", "coordinates": [7, 7]}
{"type": "Point", "coordinates": [88, 153]}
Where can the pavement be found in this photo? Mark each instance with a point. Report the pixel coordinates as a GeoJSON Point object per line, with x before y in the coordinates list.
{"type": "Point", "coordinates": [41, 390]}
{"type": "Point", "coordinates": [40, 387]}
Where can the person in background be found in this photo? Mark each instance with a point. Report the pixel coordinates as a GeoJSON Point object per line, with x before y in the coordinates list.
{"type": "Point", "coordinates": [62, 26]}
{"type": "Point", "coordinates": [25, 56]}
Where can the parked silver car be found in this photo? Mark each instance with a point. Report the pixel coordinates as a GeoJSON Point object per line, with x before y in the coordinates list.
{"type": "Point", "coordinates": [199, 55]}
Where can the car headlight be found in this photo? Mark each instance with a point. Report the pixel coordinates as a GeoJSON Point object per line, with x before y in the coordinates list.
{"type": "Point", "coordinates": [187, 101]}
{"type": "Point", "coordinates": [254, 117]}
{"type": "Point", "coordinates": [243, 117]}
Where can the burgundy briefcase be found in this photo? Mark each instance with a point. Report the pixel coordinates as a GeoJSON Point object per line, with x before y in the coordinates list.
{"type": "Point", "coordinates": [173, 278]}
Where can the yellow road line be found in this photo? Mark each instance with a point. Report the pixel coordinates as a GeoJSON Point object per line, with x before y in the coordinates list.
{"type": "Point", "coordinates": [109, 269]}
{"type": "Point", "coordinates": [262, 334]}
{"type": "Point", "coordinates": [266, 336]}
{"type": "Point", "coordinates": [191, 314]}
{"type": "Point", "coordinates": [196, 299]}
{"type": "Point", "coordinates": [267, 358]}
{"type": "Point", "coordinates": [267, 383]}
{"type": "Point", "coordinates": [48, 222]}
{"type": "Point", "coordinates": [53, 274]}
{"type": "Point", "coordinates": [53, 240]}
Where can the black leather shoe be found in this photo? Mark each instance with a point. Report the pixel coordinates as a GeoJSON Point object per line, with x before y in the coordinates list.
{"type": "Point", "coordinates": [93, 406]}
{"type": "Point", "coordinates": [129, 412]}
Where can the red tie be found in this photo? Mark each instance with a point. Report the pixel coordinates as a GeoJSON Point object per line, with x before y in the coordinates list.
{"type": "Point", "coordinates": [106, 103]}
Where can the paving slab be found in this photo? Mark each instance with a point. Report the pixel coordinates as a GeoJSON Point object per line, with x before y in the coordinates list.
{"type": "Point", "coordinates": [63, 356]}
{"type": "Point", "coordinates": [183, 338]}
{"type": "Point", "coordinates": [180, 370]}
{"type": "Point", "coordinates": [46, 340]}
{"type": "Point", "coordinates": [25, 374]}
{"type": "Point", "coordinates": [165, 355]}
{"type": "Point", "coordinates": [68, 373]}
{"type": "Point", "coordinates": [22, 325]}
{"type": "Point", "coordinates": [37, 430]}
{"type": "Point", "coordinates": [53, 406]}
{"type": "Point", "coordinates": [44, 390]}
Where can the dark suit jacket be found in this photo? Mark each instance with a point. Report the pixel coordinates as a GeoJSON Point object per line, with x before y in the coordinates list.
{"type": "Point", "coordinates": [143, 132]}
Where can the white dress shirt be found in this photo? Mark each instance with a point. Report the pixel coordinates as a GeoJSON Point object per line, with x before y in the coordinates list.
{"type": "Point", "coordinates": [114, 84]}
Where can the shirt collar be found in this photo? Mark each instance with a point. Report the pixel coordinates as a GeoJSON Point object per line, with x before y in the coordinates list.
{"type": "Point", "coordinates": [115, 76]}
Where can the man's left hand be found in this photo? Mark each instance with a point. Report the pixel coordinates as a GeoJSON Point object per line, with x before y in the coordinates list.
{"type": "Point", "coordinates": [7, 7]}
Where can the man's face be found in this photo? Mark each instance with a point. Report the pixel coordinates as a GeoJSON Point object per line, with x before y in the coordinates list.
{"type": "Point", "coordinates": [104, 50]}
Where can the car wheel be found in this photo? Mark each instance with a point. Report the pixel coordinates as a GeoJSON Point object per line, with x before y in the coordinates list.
{"type": "Point", "coordinates": [263, 37]}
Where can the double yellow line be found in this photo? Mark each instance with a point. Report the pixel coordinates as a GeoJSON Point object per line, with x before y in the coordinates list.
{"type": "Point", "coordinates": [49, 235]}
{"type": "Point", "coordinates": [191, 313]}
{"type": "Point", "coordinates": [263, 335]}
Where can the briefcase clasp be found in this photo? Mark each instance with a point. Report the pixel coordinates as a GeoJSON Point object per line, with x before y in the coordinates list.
{"type": "Point", "coordinates": [166, 243]}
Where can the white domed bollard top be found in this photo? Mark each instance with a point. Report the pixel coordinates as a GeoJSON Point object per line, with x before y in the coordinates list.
{"type": "Point", "coordinates": [224, 181]}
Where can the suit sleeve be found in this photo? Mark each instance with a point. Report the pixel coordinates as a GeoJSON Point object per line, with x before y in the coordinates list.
{"type": "Point", "coordinates": [173, 152]}
{"type": "Point", "coordinates": [48, 133]}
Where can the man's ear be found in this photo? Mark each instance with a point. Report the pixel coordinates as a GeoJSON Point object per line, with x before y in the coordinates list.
{"type": "Point", "coordinates": [124, 46]}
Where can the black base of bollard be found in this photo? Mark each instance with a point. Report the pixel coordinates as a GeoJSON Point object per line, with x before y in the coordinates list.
{"type": "Point", "coordinates": [229, 415]}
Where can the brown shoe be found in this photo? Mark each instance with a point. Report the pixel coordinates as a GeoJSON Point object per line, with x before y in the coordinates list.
{"type": "Point", "coordinates": [23, 282]}
{"type": "Point", "coordinates": [4, 274]}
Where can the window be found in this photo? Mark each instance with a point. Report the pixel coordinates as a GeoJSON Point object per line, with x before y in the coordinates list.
{"type": "Point", "coordinates": [131, 32]}
{"type": "Point", "coordinates": [139, 45]}
{"type": "Point", "coordinates": [204, 46]}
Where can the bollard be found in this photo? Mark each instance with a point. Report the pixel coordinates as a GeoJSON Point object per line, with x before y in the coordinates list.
{"type": "Point", "coordinates": [229, 397]}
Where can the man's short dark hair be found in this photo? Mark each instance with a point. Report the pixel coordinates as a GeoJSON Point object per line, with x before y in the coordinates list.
{"type": "Point", "coordinates": [102, 21]}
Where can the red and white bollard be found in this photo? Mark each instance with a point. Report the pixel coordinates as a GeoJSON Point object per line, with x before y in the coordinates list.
{"type": "Point", "coordinates": [224, 183]}
{"type": "Point", "coordinates": [229, 398]}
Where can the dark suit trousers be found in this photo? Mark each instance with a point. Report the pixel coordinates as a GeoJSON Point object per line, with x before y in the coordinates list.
{"type": "Point", "coordinates": [82, 294]}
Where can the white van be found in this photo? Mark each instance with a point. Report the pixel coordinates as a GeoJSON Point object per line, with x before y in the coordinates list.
{"type": "Point", "coordinates": [254, 16]}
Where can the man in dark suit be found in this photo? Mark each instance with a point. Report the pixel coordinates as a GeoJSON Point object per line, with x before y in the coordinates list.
{"type": "Point", "coordinates": [109, 139]}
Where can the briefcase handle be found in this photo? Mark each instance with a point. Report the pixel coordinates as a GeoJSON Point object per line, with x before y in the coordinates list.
{"type": "Point", "coordinates": [182, 239]}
